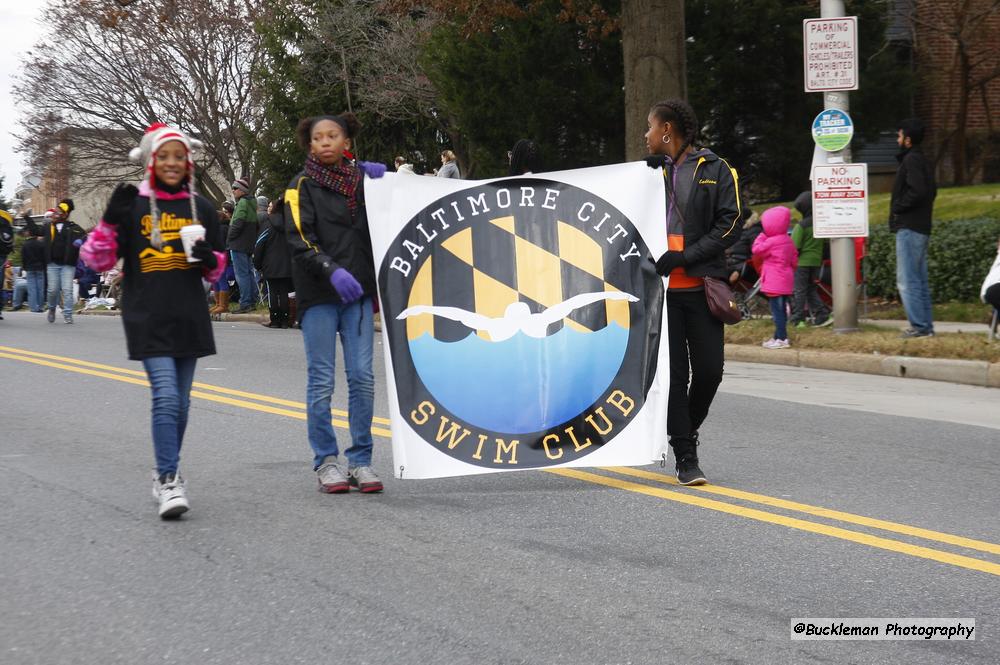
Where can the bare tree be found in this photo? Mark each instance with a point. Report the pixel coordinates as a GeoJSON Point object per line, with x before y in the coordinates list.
{"type": "Point", "coordinates": [102, 74]}
{"type": "Point", "coordinates": [973, 64]}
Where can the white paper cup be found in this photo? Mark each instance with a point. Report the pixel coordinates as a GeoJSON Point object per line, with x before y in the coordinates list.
{"type": "Point", "coordinates": [189, 236]}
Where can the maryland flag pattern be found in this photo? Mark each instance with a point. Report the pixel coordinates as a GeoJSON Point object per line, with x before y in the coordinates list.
{"type": "Point", "coordinates": [487, 267]}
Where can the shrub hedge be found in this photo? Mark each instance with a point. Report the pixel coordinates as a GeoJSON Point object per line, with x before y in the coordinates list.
{"type": "Point", "coordinates": [958, 258]}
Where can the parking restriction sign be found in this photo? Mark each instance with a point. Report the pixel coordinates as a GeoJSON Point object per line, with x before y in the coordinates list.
{"type": "Point", "coordinates": [830, 53]}
{"type": "Point", "coordinates": [840, 200]}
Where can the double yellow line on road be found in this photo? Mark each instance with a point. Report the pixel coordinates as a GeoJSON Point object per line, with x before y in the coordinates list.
{"type": "Point", "coordinates": [205, 391]}
{"type": "Point", "coordinates": [690, 496]}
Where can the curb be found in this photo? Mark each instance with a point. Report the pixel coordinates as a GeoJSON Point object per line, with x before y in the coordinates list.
{"type": "Point", "coordinates": [969, 372]}
{"type": "Point", "coordinates": [250, 318]}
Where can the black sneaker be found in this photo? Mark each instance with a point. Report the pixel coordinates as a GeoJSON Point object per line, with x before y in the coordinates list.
{"type": "Point", "coordinates": [688, 472]}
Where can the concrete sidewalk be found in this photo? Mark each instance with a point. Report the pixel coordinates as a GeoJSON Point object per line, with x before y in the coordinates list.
{"type": "Point", "coordinates": [939, 326]}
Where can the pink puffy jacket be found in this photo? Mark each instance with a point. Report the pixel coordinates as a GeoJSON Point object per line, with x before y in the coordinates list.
{"type": "Point", "coordinates": [775, 248]}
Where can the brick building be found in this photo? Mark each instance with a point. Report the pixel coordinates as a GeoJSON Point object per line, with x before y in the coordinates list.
{"type": "Point", "coordinates": [955, 50]}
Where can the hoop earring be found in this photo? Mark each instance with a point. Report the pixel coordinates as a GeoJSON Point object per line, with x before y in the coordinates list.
{"type": "Point", "coordinates": [666, 139]}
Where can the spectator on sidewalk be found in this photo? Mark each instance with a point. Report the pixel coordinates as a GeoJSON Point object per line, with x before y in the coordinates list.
{"type": "Point", "coordinates": [164, 310]}
{"type": "Point", "coordinates": [33, 262]}
{"type": "Point", "coordinates": [990, 292]}
{"type": "Point", "coordinates": [273, 258]}
{"type": "Point", "coordinates": [777, 272]}
{"type": "Point", "coordinates": [738, 255]}
{"type": "Point", "coordinates": [221, 286]}
{"type": "Point", "coordinates": [910, 212]}
{"type": "Point", "coordinates": [810, 249]}
{"type": "Point", "coordinates": [449, 166]}
{"type": "Point", "coordinates": [402, 166]}
{"type": "Point", "coordinates": [524, 158]}
{"type": "Point", "coordinates": [62, 239]}
{"type": "Point", "coordinates": [20, 289]}
{"type": "Point", "coordinates": [6, 241]}
{"type": "Point", "coordinates": [242, 236]}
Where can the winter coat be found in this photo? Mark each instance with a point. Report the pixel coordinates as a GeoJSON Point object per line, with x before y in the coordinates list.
{"type": "Point", "coordinates": [449, 170]}
{"type": "Point", "coordinates": [59, 247]}
{"type": "Point", "coordinates": [810, 247]}
{"type": "Point", "coordinates": [33, 255]}
{"type": "Point", "coordinates": [992, 277]}
{"type": "Point", "coordinates": [243, 226]}
{"type": "Point", "coordinates": [272, 256]}
{"type": "Point", "coordinates": [6, 237]}
{"type": "Point", "coordinates": [712, 216]}
{"type": "Point", "coordinates": [913, 193]}
{"type": "Point", "coordinates": [778, 253]}
{"type": "Point", "coordinates": [324, 236]}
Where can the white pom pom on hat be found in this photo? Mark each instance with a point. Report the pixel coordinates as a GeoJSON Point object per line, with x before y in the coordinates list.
{"type": "Point", "coordinates": [156, 135]}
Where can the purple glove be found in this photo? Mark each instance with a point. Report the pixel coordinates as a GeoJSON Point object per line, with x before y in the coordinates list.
{"type": "Point", "coordinates": [78, 242]}
{"type": "Point", "coordinates": [346, 286]}
{"type": "Point", "coordinates": [372, 169]}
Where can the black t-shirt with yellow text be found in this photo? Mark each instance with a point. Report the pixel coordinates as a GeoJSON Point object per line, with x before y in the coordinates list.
{"type": "Point", "coordinates": [164, 306]}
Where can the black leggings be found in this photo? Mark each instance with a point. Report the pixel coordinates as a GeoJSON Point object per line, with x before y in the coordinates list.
{"type": "Point", "coordinates": [992, 295]}
{"type": "Point", "coordinates": [696, 342]}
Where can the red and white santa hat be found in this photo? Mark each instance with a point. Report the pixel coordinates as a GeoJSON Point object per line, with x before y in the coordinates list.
{"type": "Point", "coordinates": [155, 137]}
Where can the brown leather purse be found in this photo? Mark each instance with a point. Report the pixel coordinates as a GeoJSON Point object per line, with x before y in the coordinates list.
{"type": "Point", "coordinates": [721, 301]}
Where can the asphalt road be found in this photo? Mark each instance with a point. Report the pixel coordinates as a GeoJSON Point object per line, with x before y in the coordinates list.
{"type": "Point", "coordinates": [589, 567]}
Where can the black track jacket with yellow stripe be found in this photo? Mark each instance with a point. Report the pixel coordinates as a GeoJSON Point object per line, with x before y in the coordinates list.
{"type": "Point", "coordinates": [323, 236]}
{"type": "Point", "coordinates": [713, 216]}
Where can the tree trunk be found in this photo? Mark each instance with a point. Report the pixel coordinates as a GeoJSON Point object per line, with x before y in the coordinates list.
{"type": "Point", "coordinates": [655, 65]}
{"type": "Point", "coordinates": [959, 155]}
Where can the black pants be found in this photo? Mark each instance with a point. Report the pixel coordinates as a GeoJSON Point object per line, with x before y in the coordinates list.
{"type": "Point", "coordinates": [992, 295]}
{"type": "Point", "coordinates": [277, 299]}
{"type": "Point", "coordinates": [696, 341]}
{"type": "Point", "coordinates": [807, 293]}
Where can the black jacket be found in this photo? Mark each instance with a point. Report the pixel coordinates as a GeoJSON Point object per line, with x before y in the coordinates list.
{"type": "Point", "coordinates": [6, 237]}
{"type": "Point", "coordinates": [59, 246]}
{"type": "Point", "coordinates": [271, 255]}
{"type": "Point", "coordinates": [913, 193]}
{"type": "Point", "coordinates": [713, 216]}
{"type": "Point", "coordinates": [323, 237]}
{"type": "Point", "coordinates": [33, 254]}
{"type": "Point", "coordinates": [243, 227]}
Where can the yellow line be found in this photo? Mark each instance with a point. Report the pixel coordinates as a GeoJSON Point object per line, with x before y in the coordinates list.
{"type": "Point", "coordinates": [905, 529]}
{"type": "Point", "coordinates": [194, 393]}
{"type": "Point", "coordinates": [671, 495]}
{"type": "Point", "coordinates": [204, 386]}
{"type": "Point", "coordinates": [790, 522]}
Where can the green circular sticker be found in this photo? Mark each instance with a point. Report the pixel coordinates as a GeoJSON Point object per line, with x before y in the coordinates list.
{"type": "Point", "coordinates": [832, 130]}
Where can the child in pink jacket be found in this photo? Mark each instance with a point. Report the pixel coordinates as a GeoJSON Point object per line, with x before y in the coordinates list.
{"type": "Point", "coordinates": [777, 273]}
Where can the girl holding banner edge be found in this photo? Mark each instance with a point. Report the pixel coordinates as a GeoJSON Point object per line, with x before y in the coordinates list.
{"type": "Point", "coordinates": [703, 219]}
{"type": "Point", "coordinates": [333, 271]}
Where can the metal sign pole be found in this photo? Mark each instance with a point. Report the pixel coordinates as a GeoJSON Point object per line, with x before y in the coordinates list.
{"type": "Point", "coordinates": [845, 291]}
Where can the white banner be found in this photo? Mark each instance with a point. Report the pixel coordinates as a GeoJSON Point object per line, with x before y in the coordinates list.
{"type": "Point", "coordinates": [522, 320]}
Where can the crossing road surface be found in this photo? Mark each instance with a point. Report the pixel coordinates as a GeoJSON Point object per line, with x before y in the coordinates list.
{"type": "Point", "coordinates": [832, 495]}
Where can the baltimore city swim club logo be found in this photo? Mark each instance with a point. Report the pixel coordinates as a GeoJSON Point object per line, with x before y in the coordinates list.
{"type": "Point", "coordinates": [524, 321]}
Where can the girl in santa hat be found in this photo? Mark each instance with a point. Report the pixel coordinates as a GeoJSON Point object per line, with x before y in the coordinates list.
{"type": "Point", "coordinates": [164, 309]}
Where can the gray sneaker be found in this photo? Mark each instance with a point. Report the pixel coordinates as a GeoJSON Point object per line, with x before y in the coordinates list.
{"type": "Point", "coordinates": [364, 479]}
{"type": "Point", "coordinates": [331, 477]}
{"type": "Point", "coordinates": [171, 494]}
{"type": "Point", "coordinates": [51, 316]}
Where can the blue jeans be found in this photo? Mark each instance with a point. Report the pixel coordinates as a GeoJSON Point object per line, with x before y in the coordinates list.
{"type": "Point", "coordinates": [20, 291]}
{"type": "Point", "coordinates": [911, 278]}
{"type": "Point", "coordinates": [779, 315]}
{"type": "Point", "coordinates": [36, 289]}
{"type": "Point", "coordinates": [243, 267]}
{"type": "Point", "coordinates": [61, 277]}
{"type": "Point", "coordinates": [320, 326]}
{"type": "Point", "coordinates": [170, 380]}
